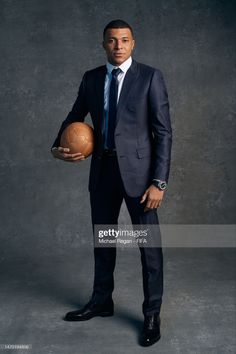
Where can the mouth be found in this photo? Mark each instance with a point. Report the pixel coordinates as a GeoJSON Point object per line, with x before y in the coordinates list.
{"type": "Point", "coordinates": [118, 54]}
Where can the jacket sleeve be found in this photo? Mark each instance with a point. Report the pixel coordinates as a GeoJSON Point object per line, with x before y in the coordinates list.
{"type": "Point", "coordinates": [161, 127]}
{"type": "Point", "coordinates": [77, 113]}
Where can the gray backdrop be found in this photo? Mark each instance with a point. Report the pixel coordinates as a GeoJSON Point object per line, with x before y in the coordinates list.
{"type": "Point", "coordinates": [45, 48]}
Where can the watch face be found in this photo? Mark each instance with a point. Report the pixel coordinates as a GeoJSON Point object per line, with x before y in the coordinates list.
{"type": "Point", "coordinates": [163, 185]}
{"type": "Point", "coordinates": [160, 184]}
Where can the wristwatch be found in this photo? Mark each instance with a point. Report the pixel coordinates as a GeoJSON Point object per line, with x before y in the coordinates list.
{"type": "Point", "coordinates": [159, 184]}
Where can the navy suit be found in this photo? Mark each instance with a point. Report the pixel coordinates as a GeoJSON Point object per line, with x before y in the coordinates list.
{"type": "Point", "coordinates": [143, 139]}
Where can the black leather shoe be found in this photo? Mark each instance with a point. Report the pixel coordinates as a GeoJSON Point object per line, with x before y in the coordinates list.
{"type": "Point", "coordinates": [151, 330]}
{"type": "Point", "coordinates": [89, 311]}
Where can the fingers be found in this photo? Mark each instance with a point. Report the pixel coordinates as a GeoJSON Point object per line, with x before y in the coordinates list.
{"type": "Point", "coordinates": [74, 159]}
{"type": "Point", "coordinates": [65, 155]}
{"type": "Point", "coordinates": [61, 149]}
{"type": "Point", "coordinates": [154, 198]}
{"type": "Point", "coordinates": [153, 204]}
{"type": "Point", "coordinates": [72, 156]}
{"type": "Point", "coordinates": [144, 197]}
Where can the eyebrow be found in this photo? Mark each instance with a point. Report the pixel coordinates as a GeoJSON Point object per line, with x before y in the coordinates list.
{"type": "Point", "coordinates": [124, 37]}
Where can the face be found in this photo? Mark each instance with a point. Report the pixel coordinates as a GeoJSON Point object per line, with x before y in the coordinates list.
{"type": "Point", "coordinates": [118, 44]}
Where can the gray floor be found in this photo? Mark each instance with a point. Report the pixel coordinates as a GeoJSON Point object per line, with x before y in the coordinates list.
{"type": "Point", "coordinates": [198, 312]}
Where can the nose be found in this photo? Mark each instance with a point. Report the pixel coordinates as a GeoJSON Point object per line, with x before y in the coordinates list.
{"type": "Point", "coordinates": [118, 44]}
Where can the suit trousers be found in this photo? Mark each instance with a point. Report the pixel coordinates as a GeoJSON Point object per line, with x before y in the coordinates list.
{"type": "Point", "coordinates": [106, 202]}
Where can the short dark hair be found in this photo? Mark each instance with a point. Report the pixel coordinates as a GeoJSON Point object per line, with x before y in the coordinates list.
{"type": "Point", "coordinates": [117, 24]}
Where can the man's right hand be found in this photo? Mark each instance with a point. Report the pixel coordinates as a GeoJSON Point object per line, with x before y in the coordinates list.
{"type": "Point", "coordinates": [64, 154]}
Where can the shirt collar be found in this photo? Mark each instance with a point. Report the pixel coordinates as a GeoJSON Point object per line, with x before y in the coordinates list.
{"type": "Point", "coordinates": [124, 66]}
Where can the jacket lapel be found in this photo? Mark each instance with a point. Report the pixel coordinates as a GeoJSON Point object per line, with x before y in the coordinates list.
{"type": "Point", "coordinates": [129, 80]}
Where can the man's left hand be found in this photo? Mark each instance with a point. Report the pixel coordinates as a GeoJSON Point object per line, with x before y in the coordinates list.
{"type": "Point", "coordinates": [153, 196]}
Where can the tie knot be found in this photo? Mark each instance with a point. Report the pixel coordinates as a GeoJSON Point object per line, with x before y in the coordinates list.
{"type": "Point", "coordinates": [115, 72]}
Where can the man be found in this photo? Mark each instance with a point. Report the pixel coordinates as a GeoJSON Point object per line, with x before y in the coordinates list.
{"type": "Point", "coordinates": [128, 104]}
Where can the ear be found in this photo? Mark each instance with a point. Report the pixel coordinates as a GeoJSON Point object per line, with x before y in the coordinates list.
{"type": "Point", "coordinates": [103, 44]}
{"type": "Point", "coordinates": [133, 44]}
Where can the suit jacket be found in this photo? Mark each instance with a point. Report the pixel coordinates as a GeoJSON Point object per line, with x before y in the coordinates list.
{"type": "Point", "coordinates": [143, 134]}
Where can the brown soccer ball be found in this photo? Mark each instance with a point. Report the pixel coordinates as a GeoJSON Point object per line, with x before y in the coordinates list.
{"type": "Point", "coordinates": [78, 137]}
